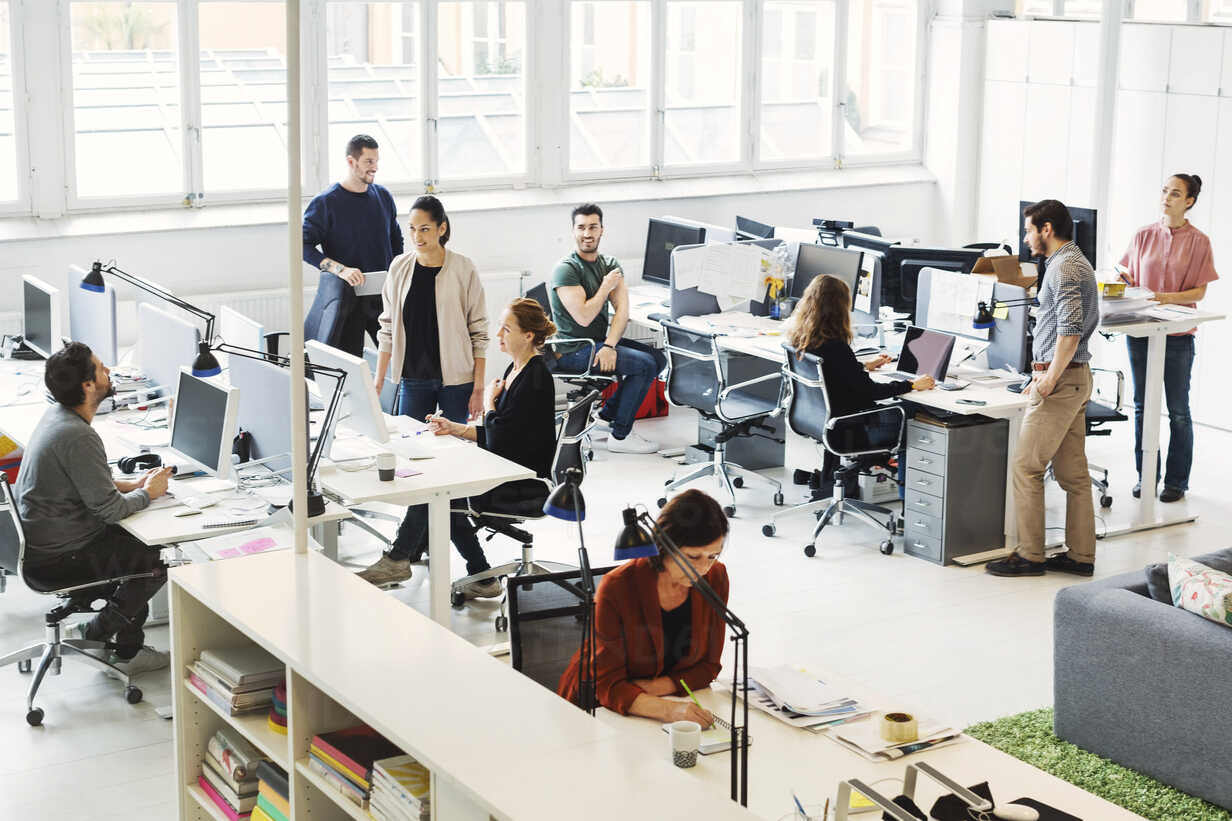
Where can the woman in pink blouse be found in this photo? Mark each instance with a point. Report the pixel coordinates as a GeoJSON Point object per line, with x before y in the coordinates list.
{"type": "Point", "coordinates": [1173, 259]}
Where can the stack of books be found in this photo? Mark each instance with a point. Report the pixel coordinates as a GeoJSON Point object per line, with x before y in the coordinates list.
{"type": "Point", "coordinates": [277, 720]}
{"type": "Point", "coordinates": [237, 679]}
{"type": "Point", "coordinates": [274, 794]}
{"type": "Point", "coordinates": [228, 773]}
{"type": "Point", "coordinates": [344, 758]}
{"type": "Point", "coordinates": [802, 700]}
{"type": "Point", "coordinates": [400, 790]}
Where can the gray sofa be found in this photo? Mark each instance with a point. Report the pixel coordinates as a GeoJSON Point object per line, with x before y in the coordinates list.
{"type": "Point", "coordinates": [1145, 684]}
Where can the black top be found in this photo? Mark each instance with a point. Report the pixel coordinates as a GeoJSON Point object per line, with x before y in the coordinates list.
{"type": "Point", "coordinates": [848, 384]}
{"type": "Point", "coordinates": [522, 429]}
{"type": "Point", "coordinates": [423, 337]}
{"type": "Point", "coordinates": [677, 628]}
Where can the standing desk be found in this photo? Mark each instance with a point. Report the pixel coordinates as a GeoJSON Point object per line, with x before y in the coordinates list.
{"type": "Point", "coordinates": [1156, 331]}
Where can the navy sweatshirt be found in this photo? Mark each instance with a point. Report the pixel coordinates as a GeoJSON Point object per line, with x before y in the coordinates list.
{"type": "Point", "coordinates": [358, 230]}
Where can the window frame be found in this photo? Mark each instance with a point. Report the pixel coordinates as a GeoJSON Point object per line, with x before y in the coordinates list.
{"type": "Point", "coordinates": [23, 202]}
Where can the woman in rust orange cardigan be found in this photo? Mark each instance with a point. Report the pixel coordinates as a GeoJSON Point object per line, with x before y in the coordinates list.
{"type": "Point", "coordinates": [652, 629]}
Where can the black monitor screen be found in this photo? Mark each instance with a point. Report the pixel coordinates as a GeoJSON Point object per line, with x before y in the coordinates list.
{"type": "Point", "coordinates": [813, 260]}
{"type": "Point", "coordinates": [926, 352]}
{"type": "Point", "coordinates": [200, 417]}
{"type": "Point", "coordinates": [1086, 224]}
{"type": "Point", "coordinates": [661, 237]}
{"type": "Point", "coordinates": [37, 318]}
{"type": "Point", "coordinates": [752, 229]}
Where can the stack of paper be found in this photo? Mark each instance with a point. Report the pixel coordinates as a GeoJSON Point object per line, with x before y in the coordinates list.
{"type": "Point", "coordinates": [345, 758]}
{"type": "Point", "coordinates": [400, 790]}
{"type": "Point", "coordinates": [237, 679]}
{"type": "Point", "coordinates": [1131, 307]}
{"type": "Point", "coordinates": [800, 699]}
{"type": "Point", "coordinates": [865, 740]}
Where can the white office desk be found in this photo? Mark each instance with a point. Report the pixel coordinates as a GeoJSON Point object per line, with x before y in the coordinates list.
{"type": "Point", "coordinates": [456, 470]}
{"type": "Point", "coordinates": [784, 760]}
{"type": "Point", "coordinates": [1156, 332]}
{"type": "Point", "coordinates": [21, 381]}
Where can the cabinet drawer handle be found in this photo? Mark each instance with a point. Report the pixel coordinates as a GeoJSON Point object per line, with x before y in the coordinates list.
{"type": "Point", "coordinates": [920, 546]}
{"type": "Point", "coordinates": [920, 524]}
{"type": "Point", "coordinates": [923, 482]}
{"type": "Point", "coordinates": [924, 441]}
{"type": "Point", "coordinates": [921, 504]}
{"type": "Point", "coordinates": [926, 461]}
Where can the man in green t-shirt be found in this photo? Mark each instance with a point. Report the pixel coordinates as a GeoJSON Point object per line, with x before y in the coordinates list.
{"type": "Point", "coordinates": [583, 286]}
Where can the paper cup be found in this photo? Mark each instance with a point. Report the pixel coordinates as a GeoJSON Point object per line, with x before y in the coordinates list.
{"type": "Point", "coordinates": [385, 464]}
{"type": "Point", "coordinates": [684, 738]}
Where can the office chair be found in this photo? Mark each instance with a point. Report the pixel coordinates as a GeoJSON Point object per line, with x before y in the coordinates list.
{"type": "Point", "coordinates": [871, 230]}
{"type": "Point", "coordinates": [503, 508]}
{"type": "Point", "coordinates": [843, 436]}
{"type": "Point", "coordinates": [76, 598]}
{"type": "Point", "coordinates": [546, 630]}
{"type": "Point", "coordinates": [988, 246]}
{"type": "Point", "coordinates": [697, 379]}
{"type": "Point", "coordinates": [1099, 414]}
{"type": "Point", "coordinates": [580, 382]}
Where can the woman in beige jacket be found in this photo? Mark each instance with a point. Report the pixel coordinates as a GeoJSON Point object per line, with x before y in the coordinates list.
{"type": "Point", "coordinates": [433, 333]}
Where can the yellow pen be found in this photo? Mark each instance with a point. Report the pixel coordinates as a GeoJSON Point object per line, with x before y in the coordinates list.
{"type": "Point", "coordinates": [690, 692]}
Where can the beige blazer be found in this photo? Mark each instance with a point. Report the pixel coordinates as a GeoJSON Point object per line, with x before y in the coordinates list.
{"type": "Point", "coordinates": [461, 315]}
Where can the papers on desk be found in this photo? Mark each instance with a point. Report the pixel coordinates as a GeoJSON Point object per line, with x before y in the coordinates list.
{"type": "Point", "coordinates": [250, 542]}
{"type": "Point", "coordinates": [800, 699]}
{"type": "Point", "coordinates": [733, 274]}
{"type": "Point", "coordinates": [1132, 307]}
{"type": "Point", "coordinates": [954, 301]}
{"type": "Point", "coordinates": [864, 739]}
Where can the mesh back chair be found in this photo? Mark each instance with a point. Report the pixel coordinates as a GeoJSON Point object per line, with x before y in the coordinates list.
{"type": "Point", "coordinates": [1098, 414]}
{"type": "Point", "coordinates": [579, 382]}
{"type": "Point", "coordinates": [547, 623]}
{"type": "Point", "coordinates": [502, 509]}
{"type": "Point", "coordinates": [74, 599]}
{"type": "Point", "coordinates": [843, 436]}
{"type": "Point", "coordinates": [697, 379]}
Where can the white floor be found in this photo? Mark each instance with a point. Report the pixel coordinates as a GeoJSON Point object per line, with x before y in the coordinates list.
{"type": "Point", "coordinates": [951, 642]}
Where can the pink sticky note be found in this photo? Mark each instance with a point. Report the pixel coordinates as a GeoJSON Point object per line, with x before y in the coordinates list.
{"type": "Point", "coordinates": [405, 472]}
{"type": "Point", "coordinates": [257, 545]}
{"type": "Point", "coordinates": [230, 553]}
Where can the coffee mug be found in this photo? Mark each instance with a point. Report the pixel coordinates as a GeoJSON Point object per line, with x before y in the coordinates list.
{"type": "Point", "coordinates": [385, 464]}
{"type": "Point", "coordinates": [685, 737]}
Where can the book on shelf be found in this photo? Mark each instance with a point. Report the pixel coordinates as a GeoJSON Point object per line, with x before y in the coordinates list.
{"type": "Point", "coordinates": [276, 723]}
{"type": "Point", "coordinates": [226, 809]}
{"type": "Point", "coordinates": [259, 814]}
{"type": "Point", "coordinates": [279, 802]}
{"type": "Point", "coordinates": [245, 665]}
{"type": "Point", "coordinates": [267, 808]}
{"type": "Point", "coordinates": [233, 704]}
{"type": "Point", "coordinates": [272, 775]}
{"type": "Point", "coordinates": [354, 750]}
{"type": "Point", "coordinates": [235, 753]}
{"type": "Point", "coordinates": [401, 789]}
{"type": "Point", "coordinates": [240, 802]}
{"type": "Point", "coordinates": [222, 682]}
{"type": "Point", "coordinates": [241, 787]}
{"type": "Point", "coordinates": [382, 810]}
{"type": "Point", "coordinates": [344, 786]}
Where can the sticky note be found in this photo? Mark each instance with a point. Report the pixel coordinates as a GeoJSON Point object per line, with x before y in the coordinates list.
{"type": "Point", "coordinates": [1001, 312]}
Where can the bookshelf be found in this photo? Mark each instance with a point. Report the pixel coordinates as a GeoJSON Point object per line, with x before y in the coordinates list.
{"type": "Point", "coordinates": [352, 811]}
{"type": "Point", "coordinates": [252, 726]}
{"type": "Point", "coordinates": [204, 805]}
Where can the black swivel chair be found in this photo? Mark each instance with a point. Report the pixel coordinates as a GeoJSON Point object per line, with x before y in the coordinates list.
{"type": "Point", "coordinates": [1099, 414]}
{"type": "Point", "coordinates": [76, 598]}
{"type": "Point", "coordinates": [697, 379]}
{"type": "Point", "coordinates": [582, 381]}
{"type": "Point", "coordinates": [504, 508]}
{"type": "Point", "coordinates": [547, 623]}
{"type": "Point", "coordinates": [843, 436]}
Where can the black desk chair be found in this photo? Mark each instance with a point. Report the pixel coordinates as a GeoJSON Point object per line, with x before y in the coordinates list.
{"type": "Point", "coordinates": [547, 623]}
{"type": "Point", "coordinates": [843, 436]}
{"type": "Point", "coordinates": [76, 598]}
{"type": "Point", "coordinates": [1098, 414]}
{"type": "Point", "coordinates": [697, 379]}
{"type": "Point", "coordinates": [580, 382]}
{"type": "Point", "coordinates": [502, 509]}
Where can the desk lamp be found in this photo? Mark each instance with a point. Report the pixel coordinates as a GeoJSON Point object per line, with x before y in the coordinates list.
{"type": "Point", "coordinates": [984, 318]}
{"type": "Point", "coordinates": [205, 364]}
{"type": "Point", "coordinates": [566, 503]}
{"type": "Point", "coordinates": [642, 537]}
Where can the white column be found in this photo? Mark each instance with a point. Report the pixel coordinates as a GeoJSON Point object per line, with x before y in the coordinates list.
{"type": "Point", "coordinates": [47, 105]}
{"type": "Point", "coordinates": [1105, 106]}
{"type": "Point", "coordinates": [295, 283]}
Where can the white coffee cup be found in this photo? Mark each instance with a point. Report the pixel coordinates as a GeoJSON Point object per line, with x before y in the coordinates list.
{"type": "Point", "coordinates": [685, 737]}
{"type": "Point", "coordinates": [385, 464]}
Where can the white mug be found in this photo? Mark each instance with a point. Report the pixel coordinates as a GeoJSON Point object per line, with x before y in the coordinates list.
{"type": "Point", "coordinates": [684, 737]}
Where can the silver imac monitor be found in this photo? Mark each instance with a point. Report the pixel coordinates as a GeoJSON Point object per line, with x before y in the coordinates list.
{"type": "Point", "coordinates": [92, 318]}
{"type": "Point", "coordinates": [42, 316]}
{"type": "Point", "coordinates": [265, 408]}
{"type": "Point", "coordinates": [165, 343]}
{"type": "Point", "coordinates": [361, 406]}
{"type": "Point", "coordinates": [203, 422]}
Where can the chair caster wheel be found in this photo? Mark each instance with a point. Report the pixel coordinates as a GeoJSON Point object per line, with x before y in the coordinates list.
{"type": "Point", "coordinates": [767, 530]}
{"type": "Point", "coordinates": [1105, 501]}
{"type": "Point", "coordinates": [662, 501]}
{"type": "Point", "coordinates": [132, 695]}
{"type": "Point", "coordinates": [738, 482]}
{"type": "Point", "coordinates": [35, 717]}
{"type": "Point", "coordinates": [590, 456]}
{"type": "Point", "coordinates": [887, 547]}
{"type": "Point", "coordinates": [778, 500]}
{"type": "Point", "coordinates": [729, 510]}
{"type": "Point", "coordinates": [810, 550]}
{"type": "Point", "coordinates": [502, 624]}
{"type": "Point", "coordinates": [456, 599]}
{"type": "Point", "coordinates": [24, 666]}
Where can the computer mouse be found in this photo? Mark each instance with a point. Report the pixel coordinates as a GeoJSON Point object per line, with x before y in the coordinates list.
{"type": "Point", "coordinates": [1016, 812]}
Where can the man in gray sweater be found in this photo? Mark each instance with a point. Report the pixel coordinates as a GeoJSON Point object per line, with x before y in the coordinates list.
{"type": "Point", "coordinates": [70, 508]}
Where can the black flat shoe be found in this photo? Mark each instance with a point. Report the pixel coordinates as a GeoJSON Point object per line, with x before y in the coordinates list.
{"type": "Point", "coordinates": [1014, 565]}
{"type": "Point", "coordinates": [1138, 491]}
{"type": "Point", "coordinates": [1063, 563]}
{"type": "Point", "coordinates": [1171, 494]}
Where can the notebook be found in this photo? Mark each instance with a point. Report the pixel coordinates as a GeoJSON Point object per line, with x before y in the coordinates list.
{"type": "Point", "coordinates": [715, 739]}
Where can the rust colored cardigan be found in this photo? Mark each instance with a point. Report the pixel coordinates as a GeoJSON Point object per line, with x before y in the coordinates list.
{"type": "Point", "coordinates": [629, 636]}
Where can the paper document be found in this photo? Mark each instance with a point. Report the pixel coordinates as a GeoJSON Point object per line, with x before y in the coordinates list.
{"type": "Point", "coordinates": [805, 235]}
{"type": "Point", "coordinates": [864, 738]}
{"type": "Point", "coordinates": [954, 300]}
{"type": "Point", "coordinates": [687, 267]}
{"type": "Point", "coordinates": [373, 282]}
{"type": "Point", "coordinates": [734, 273]}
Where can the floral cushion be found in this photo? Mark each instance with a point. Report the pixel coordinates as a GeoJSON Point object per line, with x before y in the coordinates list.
{"type": "Point", "coordinates": [1201, 589]}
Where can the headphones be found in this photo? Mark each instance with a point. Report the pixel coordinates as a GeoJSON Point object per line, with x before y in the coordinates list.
{"type": "Point", "coordinates": [142, 461]}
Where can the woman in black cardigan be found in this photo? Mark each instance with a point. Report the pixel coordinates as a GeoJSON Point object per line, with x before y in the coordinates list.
{"type": "Point", "coordinates": [519, 423]}
{"type": "Point", "coordinates": [822, 326]}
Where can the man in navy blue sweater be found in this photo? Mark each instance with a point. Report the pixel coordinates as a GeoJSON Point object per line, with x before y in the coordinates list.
{"type": "Point", "coordinates": [350, 228]}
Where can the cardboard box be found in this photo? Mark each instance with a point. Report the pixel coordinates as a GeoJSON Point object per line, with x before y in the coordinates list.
{"type": "Point", "coordinates": [1007, 269]}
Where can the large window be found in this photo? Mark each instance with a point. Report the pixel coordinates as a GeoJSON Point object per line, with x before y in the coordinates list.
{"type": "Point", "coordinates": [481, 104]}
{"type": "Point", "coordinates": [797, 79]}
{"type": "Point", "coordinates": [126, 99]}
{"type": "Point", "coordinates": [879, 109]}
{"type": "Point", "coordinates": [703, 79]}
{"type": "Point", "coordinates": [373, 54]}
{"type": "Point", "coordinates": [1217, 11]}
{"type": "Point", "coordinates": [8, 134]}
{"type": "Point", "coordinates": [609, 85]}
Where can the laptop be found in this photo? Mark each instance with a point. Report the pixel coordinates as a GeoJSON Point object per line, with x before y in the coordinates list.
{"type": "Point", "coordinates": [924, 352]}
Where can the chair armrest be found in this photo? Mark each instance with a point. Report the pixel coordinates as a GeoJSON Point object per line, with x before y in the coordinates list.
{"type": "Point", "coordinates": [887, 410]}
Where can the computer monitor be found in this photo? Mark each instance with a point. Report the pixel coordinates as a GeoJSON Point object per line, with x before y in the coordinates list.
{"type": "Point", "coordinates": [240, 331]}
{"type": "Point", "coordinates": [42, 316]}
{"type": "Point", "coordinates": [866, 298]}
{"type": "Point", "coordinates": [662, 236]}
{"type": "Point", "coordinates": [926, 352]}
{"type": "Point", "coordinates": [265, 408]}
{"type": "Point", "coordinates": [1009, 340]}
{"type": "Point", "coordinates": [389, 389]}
{"type": "Point", "coordinates": [752, 229]}
{"type": "Point", "coordinates": [203, 421]}
{"type": "Point", "coordinates": [812, 260]}
{"type": "Point", "coordinates": [901, 266]}
{"type": "Point", "coordinates": [361, 407]}
{"type": "Point", "coordinates": [92, 318]}
{"type": "Point", "coordinates": [165, 343]}
{"type": "Point", "coordinates": [1085, 232]}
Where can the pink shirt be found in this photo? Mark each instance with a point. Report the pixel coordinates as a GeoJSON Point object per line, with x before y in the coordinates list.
{"type": "Point", "coordinates": [1168, 260]}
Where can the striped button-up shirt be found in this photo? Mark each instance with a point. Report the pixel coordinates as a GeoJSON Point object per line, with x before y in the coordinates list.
{"type": "Point", "coordinates": [1068, 304]}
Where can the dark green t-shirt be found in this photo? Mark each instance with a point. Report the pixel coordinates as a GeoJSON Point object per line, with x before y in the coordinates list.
{"type": "Point", "coordinates": [573, 270]}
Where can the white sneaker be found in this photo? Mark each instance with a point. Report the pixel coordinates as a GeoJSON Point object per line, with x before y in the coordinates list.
{"type": "Point", "coordinates": [75, 632]}
{"type": "Point", "coordinates": [632, 444]}
{"type": "Point", "coordinates": [147, 660]}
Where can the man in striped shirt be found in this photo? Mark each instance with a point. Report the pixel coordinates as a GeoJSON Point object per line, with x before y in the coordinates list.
{"type": "Point", "coordinates": [1054, 428]}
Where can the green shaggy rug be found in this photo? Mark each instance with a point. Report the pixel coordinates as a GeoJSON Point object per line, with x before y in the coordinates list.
{"type": "Point", "coordinates": [1029, 737]}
